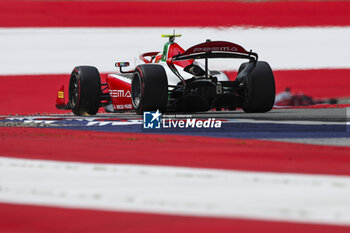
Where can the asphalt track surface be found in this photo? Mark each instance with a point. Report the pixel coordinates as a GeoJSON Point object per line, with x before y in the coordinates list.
{"type": "Point", "coordinates": [285, 114]}
{"type": "Point", "coordinates": [323, 126]}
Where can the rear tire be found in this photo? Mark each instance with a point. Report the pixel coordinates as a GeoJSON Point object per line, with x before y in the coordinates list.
{"type": "Point", "coordinates": [259, 95]}
{"type": "Point", "coordinates": [149, 88]}
{"type": "Point", "coordinates": [84, 90]}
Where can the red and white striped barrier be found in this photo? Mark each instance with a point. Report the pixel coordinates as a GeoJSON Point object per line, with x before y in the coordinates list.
{"type": "Point", "coordinates": [226, 186]}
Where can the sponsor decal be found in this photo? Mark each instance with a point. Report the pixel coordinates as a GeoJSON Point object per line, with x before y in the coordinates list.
{"type": "Point", "coordinates": [60, 94]}
{"type": "Point", "coordinates": [209, 49]}
{"type": "Point", "coordinates": [119, 93]}
{"type": "Point", "coordinates": [123, 106]}
{"type": "Point", "coordinates": [155, 120]}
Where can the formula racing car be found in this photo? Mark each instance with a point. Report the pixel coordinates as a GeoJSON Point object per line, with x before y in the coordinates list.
{"type": "Point", "coordinates": [173, 80]}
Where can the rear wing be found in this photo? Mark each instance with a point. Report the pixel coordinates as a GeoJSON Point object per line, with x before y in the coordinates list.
{"type": "Point", "coordinates": [216, 49]}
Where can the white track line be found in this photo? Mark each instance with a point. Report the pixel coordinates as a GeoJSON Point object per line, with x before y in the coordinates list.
{"type": "Point", "coordinates": [58, 50]}
{"type": "Point", "coordinates": [322, 199]}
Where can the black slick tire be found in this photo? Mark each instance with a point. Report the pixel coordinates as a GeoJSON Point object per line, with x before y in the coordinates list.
{"type": "Point", "coordinates": [84, 90]}
{"type": "Point", "coordinates": [259, 94]}
{"type": "Point", "coordinates": [149, 88]}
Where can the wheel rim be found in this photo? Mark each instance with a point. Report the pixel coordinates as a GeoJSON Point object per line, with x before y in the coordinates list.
{"type": "Point", "coordinates": [74, 91]}
{"type": "Point", "coordinates": [136, 90]}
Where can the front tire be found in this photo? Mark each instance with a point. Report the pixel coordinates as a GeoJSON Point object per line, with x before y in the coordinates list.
{"type": "Point", "coordinates": [259, 91]}
{"type": "Point", "coordinates": [149, 88]}
{"type": "Point", "coordinates": [84, 90]}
